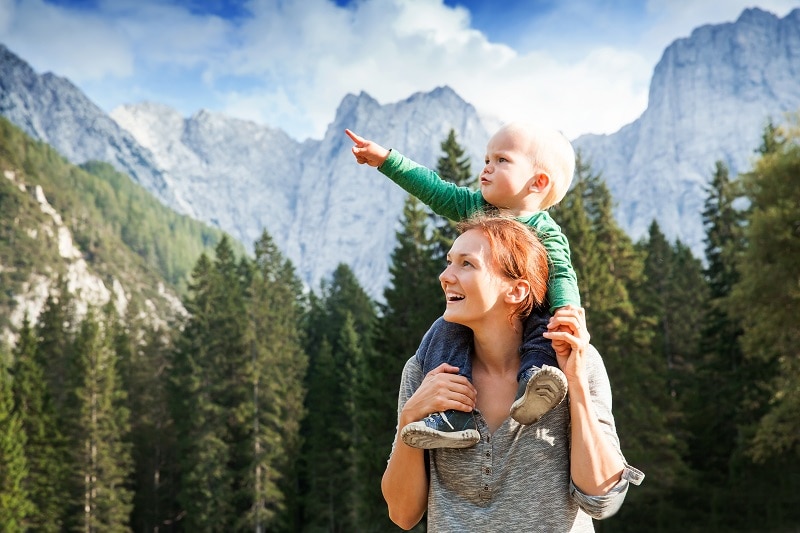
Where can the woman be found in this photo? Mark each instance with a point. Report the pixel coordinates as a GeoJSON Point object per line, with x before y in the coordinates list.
{"type": "Point", "coordinates": [547, 476]}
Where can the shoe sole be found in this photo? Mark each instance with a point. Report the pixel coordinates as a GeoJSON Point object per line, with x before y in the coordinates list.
{"type": "Point", "coordinates": [429, 439]}
{"type": "Point", "coordinates": [542, 393]}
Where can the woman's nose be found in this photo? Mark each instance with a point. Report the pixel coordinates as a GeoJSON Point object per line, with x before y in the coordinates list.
{"type": "Point", "coordinates": [446, 275]}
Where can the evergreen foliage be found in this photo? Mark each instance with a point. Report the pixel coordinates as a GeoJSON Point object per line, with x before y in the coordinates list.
{"type": "Point", "coordinates": [270, 408]}
{"type": "Point", "coordinates": [15, 504]}
{"type": "Point", "coordinates": [46, 477]}
{"type": "Point", "coordinates": [97, 432]}
{"type": "Point", "coordinates": [339, 335]}
{"type": "Point", "coordinates": [279, 368]}
{"type": "Point", "coordinates": [766, 297]}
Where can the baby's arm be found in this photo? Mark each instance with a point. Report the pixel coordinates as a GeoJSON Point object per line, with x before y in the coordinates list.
{"type": "Point", "coordinates": [367, 151]}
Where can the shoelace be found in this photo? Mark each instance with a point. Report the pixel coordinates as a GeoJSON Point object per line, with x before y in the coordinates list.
{"type": "Point", "coordinates": [444, 417]}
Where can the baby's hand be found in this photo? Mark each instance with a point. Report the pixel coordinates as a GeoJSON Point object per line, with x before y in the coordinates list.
{"type": "Point", "coordinates": [367, 151]}
{"type": "Point", "coordinates": [561, 347]}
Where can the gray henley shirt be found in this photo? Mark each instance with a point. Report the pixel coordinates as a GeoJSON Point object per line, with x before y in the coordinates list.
{"type": "Point", "coordinates": [518, 478]}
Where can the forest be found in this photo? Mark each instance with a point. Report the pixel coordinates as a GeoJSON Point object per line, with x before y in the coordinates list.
{"type": "Point", "coordinates": [270, 407]}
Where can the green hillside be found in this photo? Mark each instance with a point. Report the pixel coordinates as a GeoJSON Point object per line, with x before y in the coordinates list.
{"type": "Point", "coordinates": [122, 231]}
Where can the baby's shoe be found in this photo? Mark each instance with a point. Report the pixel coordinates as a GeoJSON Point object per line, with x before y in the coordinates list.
{"type": "Point", "coordinates": [445, 429]}
{"type": "Point", "coordinates": [540, 390]}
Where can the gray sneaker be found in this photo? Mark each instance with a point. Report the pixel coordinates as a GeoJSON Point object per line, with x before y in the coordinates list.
{"type": "Point", "coordinates": [445, 429]}
{"type": "Point", "coordinates": [539, 392]}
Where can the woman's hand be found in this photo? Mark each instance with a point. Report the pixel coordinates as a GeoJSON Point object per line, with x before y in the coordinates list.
{"type": "Point", "coordinates": [442, 389]}
{"type": "Point", "coordinates": [567, 328]}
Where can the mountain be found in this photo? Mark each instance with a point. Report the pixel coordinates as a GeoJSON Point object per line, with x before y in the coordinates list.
{"type": "Point", "coordinates": [710, 97]}
{"type": "Point", "coordinates": [108, 239]}
{"type": "Point", "coordinates": [51, 109]}
{"type": "Point", "coordinates": [321, 208]}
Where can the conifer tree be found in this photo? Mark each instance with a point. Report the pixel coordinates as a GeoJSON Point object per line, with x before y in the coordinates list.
{"type": "Point", "coordinates": [143, 353]}
{"type": "Point", "coordinates": [714, 423]}
{"type": "Point", "coordinates": [279, 363]}
{"type": "Point", "coordinates": [15, 504]}
{"type": "Point", "coordinates": [201, 403]}
{"type": "Point", "coordinates": [98, 426]}
{"type": "Point", "coordinates": [329, 498]}
{"type": "Point", "coordinates": [55, 331]}
{"type": "Point", "coordinates": [765, 298]}
{"type": "Point", "coordinates": [453, 166]}
{"type": "Point", "coordinates": [45, 482]}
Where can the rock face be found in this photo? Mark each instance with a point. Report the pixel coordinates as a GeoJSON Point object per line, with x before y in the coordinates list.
{"type": "Point", "coordinates": [710, 98]}
{"type": "Point", "coordinates": [51, 109]}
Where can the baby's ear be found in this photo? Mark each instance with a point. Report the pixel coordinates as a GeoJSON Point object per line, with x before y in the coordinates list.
{"type": "Point", "coordinates": [540, 182]}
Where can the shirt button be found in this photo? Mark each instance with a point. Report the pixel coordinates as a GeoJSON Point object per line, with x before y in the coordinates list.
{"type": "Point", "coordinates": [488, 454]}
{"type": "Point", "coordinates": [486, 487]}
{"type": "Point", "coordinates": [488, 471]}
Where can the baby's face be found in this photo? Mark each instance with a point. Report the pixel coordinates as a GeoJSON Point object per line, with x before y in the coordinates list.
{"type": "Point", "coordinates": [508, 171]}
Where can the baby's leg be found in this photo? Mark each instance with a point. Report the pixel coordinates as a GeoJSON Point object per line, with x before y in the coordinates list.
{"type": "Point", "coordinates": [446, 342]}
{"type": "Point", "coordinates": [449, 343]}
{"type": "Point", "coordinates": [535, 351]}
{"type": "Point", "coordinates": [542, 385]}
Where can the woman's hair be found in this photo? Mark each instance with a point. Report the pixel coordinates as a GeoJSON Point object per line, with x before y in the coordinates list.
{"type": "Point", "coordinates": [517, 254]}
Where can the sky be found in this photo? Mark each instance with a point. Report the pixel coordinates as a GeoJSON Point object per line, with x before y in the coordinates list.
{"type": "Point", "coordinates": [580, 65]}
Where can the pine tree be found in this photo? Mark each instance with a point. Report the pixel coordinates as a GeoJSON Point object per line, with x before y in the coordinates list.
{"type": "Point", "coordinates": [143, 352]}
{"type": "Point", "coordinates": [714, 427]}
{"type": "Point", "coordinates": [328, 453]}
{"type": "Point", "coordinates": [15, 504]}
{"type": "Point", "coordinates": [98, 431]}
{"type": "Point", "coordinates": [55, 331]}
{"type": "Point", "coordinates": [46, 479]}
{"type": "Point", "coordinates": [453, 166]}
{"type": "Point", "coordinates": [199, 402]}
{"type": "Point", "coordinates": [279, 362]}
{"type": "Point", "coordinates": [765, 298]}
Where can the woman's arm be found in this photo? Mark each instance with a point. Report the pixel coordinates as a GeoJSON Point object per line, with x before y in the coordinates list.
{"type": "Point", "coordinates": [595, 464]}
{"type": "Point", "coordinates": [405, 481]}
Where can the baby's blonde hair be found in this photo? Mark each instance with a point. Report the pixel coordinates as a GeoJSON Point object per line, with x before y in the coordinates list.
{"type": "Point", "coordinates": [550, 152]}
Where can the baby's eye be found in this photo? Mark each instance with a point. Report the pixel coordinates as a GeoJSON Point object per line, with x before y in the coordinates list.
{"type": "Point", "coordinates": [486, 161]}
{"type": "Point", "coordinates": [502, 159]}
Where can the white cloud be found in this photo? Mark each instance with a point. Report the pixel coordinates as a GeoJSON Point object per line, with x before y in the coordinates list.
{"type": "Point", "coordinates": [78, 45]}
{"type": "Point", "coordinates": [290, 62]}
{"type": "Point", "coordinates": [392, 48]}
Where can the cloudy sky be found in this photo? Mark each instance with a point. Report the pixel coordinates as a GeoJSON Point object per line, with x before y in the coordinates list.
{"type": "Point", "coordinates": [582, 65]}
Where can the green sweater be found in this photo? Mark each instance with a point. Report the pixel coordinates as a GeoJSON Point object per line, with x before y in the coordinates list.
{"type": "Point", "coordinates": [458, 203]}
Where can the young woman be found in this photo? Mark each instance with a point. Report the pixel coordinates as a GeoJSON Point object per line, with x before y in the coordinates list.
{"type": "Point", "coordinates": [554, 475]}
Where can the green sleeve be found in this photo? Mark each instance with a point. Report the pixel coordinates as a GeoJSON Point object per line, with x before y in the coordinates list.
{"type": "Point", "coordinates": [444, 198]}
{"type": "Point", "coordinates": [562, 286]}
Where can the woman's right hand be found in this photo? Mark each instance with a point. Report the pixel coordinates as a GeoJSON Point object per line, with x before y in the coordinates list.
{"type": "Point", "coordinates": [441, 389]}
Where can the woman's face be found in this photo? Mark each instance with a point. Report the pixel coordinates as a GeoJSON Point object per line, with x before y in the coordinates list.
{"type": "Point", "coordinates": [472, 287]}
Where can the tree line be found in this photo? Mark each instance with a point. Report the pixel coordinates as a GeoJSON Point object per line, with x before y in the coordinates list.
{"type": "Point", "coordinates": [271, 408]}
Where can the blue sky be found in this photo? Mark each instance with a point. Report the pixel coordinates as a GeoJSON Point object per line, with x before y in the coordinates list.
{"type": "Point", "coordinates": [581, 65]}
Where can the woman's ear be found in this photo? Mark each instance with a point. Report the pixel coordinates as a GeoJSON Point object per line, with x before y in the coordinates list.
{"type": "Point", "coordinates": [518, 290]}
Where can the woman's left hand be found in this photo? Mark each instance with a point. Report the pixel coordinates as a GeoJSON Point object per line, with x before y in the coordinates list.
{"type": "Point", "coordinates": [568, 324]}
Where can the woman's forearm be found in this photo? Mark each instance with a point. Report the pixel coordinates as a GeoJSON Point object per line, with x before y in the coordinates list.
{"type": "Point", "coordinates": [405, 485]}
{"type": "Point", "coordinates": [595, 465]}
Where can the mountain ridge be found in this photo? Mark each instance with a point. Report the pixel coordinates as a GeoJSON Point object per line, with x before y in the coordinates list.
{"type": "Point", "coordinates": [323, 209]}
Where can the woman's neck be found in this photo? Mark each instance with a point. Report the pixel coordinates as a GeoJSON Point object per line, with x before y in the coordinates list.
{"type": "Point", "coordinates": [497, 347]}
